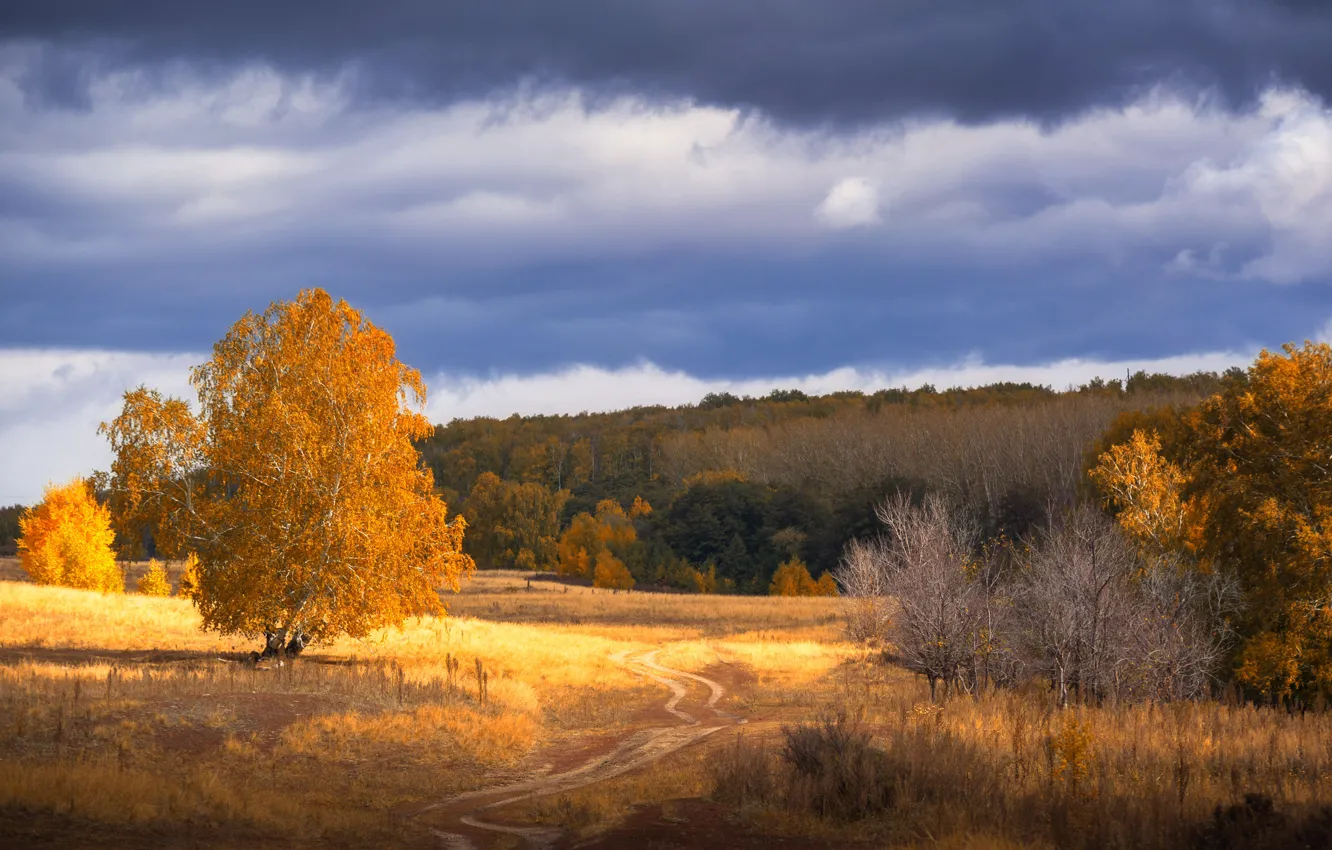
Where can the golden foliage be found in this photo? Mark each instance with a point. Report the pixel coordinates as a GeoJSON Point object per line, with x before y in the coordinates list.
{"type": "Point", "coordinates": [640, 508]}
{"type": "Point", "coordinates": [611, 572]}
{"type": "Point", "coordinates": [66, 540]}
{"type": "Point", "coordinates": [1073, 750]}
{"type": "Point", "coordinates": [154, 582]}
{"type": "Point", "coordinates": [792, 578]}
{"type": "Point", "coordinates": [297, 485]}
{"type": "Point", "coordinates": [1146, 490]}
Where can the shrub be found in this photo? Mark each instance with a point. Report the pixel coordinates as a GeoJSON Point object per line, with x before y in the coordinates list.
{"type": "Point", "coordinates": [742, 775]}
{"type": "Point", "coordinates": [836, 772]}
{"type": "Point", "coordinates": [154, 582]}
{"type": "Point", "coordinates": [829, 769]}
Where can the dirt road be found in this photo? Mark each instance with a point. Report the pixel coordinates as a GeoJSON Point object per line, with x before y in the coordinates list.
{"type": "Point", "coordinates": [464, 825]}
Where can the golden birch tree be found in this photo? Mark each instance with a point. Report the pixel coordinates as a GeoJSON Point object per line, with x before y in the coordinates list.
{"type": "Point", "coordinates": [295, 481]}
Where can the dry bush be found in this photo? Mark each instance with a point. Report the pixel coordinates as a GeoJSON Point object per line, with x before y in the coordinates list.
{"type": "Point", "coordinates": [829, 769]}
{"type": "Point", "coordinates": [743, 774]}
{"type": "Point", "coordinates": [835, 771]}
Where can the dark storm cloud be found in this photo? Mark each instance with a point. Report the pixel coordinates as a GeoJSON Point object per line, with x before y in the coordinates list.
{"type": "Point", "coordinates": [802, 61]}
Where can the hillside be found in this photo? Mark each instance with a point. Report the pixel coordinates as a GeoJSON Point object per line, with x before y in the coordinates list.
{"type": "Point", "coordinates": [743, 484]}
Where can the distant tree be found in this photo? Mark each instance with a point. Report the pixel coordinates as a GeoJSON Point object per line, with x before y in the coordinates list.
{"type": "Point", "coordinates": [917, 585]}
{"type": "Point", "coordinates": [296, 483]}
{"type": "Point", "coordinates": [792, 578]}
{"type": "Point", "coordinates": [9, 528]}
{"type": "Point", "coordinates": [640, 508]}
{"type": "Point", "coordinates": [712, 401]}
{"type": "Point", "coordinates": [726, 522]}
{"type": "Point", "coordinates": [1096, 619]}
{"type": "Point", "coordinates": [610, 530]}
{"type": "Point", "coordinates": [66, 540]}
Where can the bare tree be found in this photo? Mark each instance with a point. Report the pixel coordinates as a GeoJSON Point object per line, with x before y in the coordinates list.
{"type": "Point", "coordinates": [1082, 608]}
{"type": "Point", "coordinates": [927, 568]}
{"type": "Point", "coordinates": [864, 583]}
{"type": "Point", "coordinates": [1075, 609]}
{"type": "Point", "coordinates": [1097, 619]}
{"type": "Point", "coordinates": [1179, 634]}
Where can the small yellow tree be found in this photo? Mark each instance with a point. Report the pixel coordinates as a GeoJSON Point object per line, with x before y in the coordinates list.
{"type": "Point", "coordinates": [826, 585]}
{"type": "Point", "coordinates": [66, 540]}
{"type": "Point", "coordinates": [793, 579]}
{"type": "Point", "coordinates": [154, 582]}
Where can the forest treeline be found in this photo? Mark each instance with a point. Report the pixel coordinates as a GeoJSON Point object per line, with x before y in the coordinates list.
{"type": "Point", "coordinates": [718, 495]}
{"type": "Point", "coordinates": [731, 488]}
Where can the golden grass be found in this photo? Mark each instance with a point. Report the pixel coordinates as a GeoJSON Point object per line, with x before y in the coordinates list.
{"type": "Point", "coordinates": [118, 710]}
{"type": "Point", "coordinates": [1011, 769]}
{"type": "Point", "coordinates": [127, 685]}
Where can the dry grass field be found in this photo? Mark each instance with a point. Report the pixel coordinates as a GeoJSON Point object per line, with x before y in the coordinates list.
{"type": "Point", "coordinates": [121, 724]}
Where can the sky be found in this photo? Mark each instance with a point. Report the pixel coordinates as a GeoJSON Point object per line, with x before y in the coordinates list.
{"type": "Point", "coordinates": [584, 205]}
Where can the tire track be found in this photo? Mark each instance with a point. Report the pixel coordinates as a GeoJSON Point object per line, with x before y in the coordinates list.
{"type": "Point", "coordinates": [637, 750]}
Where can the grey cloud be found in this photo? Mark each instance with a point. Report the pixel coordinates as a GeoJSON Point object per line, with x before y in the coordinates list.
{"type": "Point", "coordinates": [801, 61]}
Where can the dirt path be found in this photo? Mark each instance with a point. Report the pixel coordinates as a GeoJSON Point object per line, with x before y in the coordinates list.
{"type": "Point", "coordinates": [641, 748]}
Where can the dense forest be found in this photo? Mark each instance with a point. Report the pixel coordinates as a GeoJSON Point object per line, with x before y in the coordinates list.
{"type": "Point", "coordinates": [718, 495]}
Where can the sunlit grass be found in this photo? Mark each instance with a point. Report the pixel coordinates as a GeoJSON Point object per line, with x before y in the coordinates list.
{"type": "Point", "coordinates": [118, 710]}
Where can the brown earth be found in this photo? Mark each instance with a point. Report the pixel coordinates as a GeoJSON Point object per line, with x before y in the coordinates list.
{"type": "Point", "coordinates": [690, 715]}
